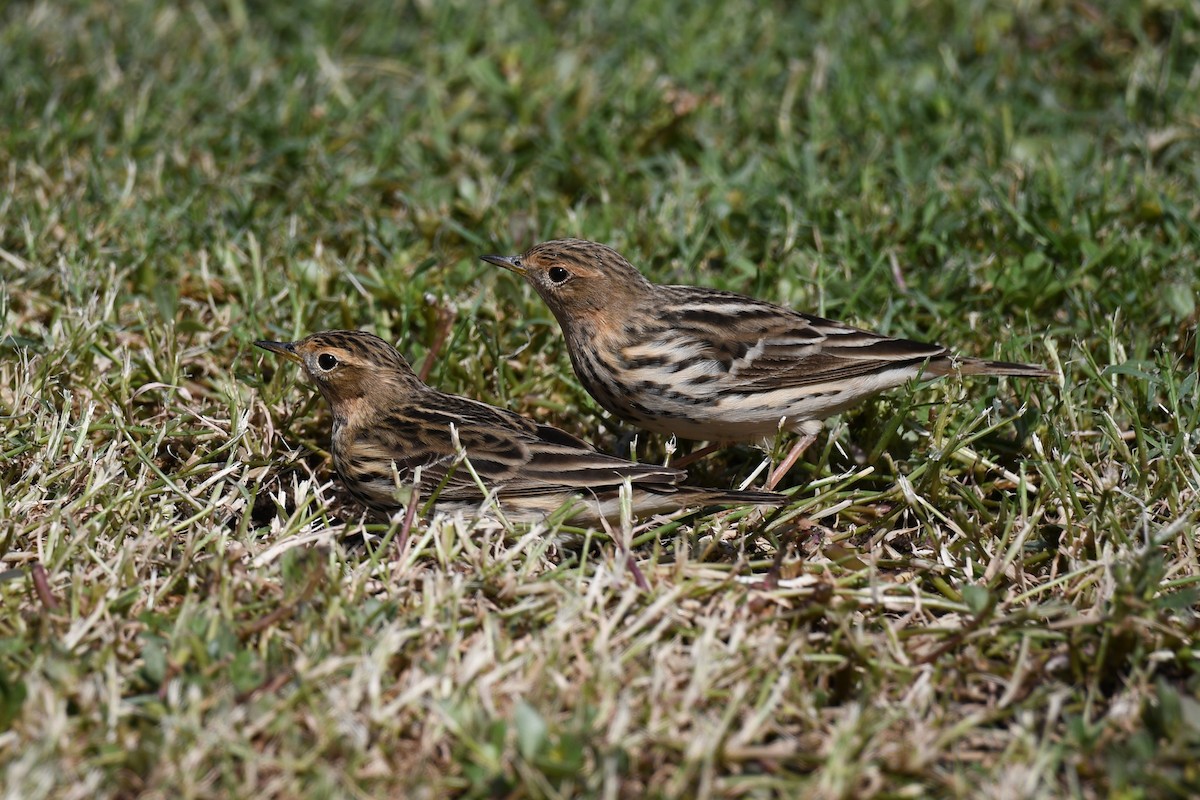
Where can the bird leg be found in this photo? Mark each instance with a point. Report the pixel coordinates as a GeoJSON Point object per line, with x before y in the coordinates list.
{"type": "Point", "coordinates": [695, 455]}
{"type": "Point", "coordinates": [445, 321]}
{"type": "Point", "coordinates": [797, 450]}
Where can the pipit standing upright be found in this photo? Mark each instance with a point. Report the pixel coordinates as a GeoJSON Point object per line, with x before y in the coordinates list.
{"type": "Point", "coordinates": [386, 423]}
{"type": "Point", "coordinates": [713, 365]}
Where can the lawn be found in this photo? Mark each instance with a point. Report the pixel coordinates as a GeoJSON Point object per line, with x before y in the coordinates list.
{"type": "Point", "coordinates": [979, 588]}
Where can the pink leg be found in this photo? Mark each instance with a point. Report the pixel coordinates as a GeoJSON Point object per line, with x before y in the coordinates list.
{"type": "Point", "coordinates": [784, 466]}
{"type": "Point", "coordinates": [445, 322]}
{"type": "Point", "coordinates": [695, 455]}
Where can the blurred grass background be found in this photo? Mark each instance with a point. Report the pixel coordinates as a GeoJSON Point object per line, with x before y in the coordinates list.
{"type": "Point", "coordinates": [990, 590]}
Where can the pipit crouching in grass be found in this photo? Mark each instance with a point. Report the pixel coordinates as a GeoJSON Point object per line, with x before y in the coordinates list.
{"type": "Point", "coordinates": [386, 423]}
{"type": "Point", "coordinates": [717, 366]}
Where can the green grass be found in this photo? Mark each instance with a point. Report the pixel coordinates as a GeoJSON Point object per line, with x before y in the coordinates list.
{"type": "Point", "coordinates": [980, 589]}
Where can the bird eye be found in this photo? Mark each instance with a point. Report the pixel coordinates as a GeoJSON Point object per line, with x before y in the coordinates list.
{"type": "Point", "coordinates": [327, 361]}
{"type": "Point", "coordinates": [559, 275]}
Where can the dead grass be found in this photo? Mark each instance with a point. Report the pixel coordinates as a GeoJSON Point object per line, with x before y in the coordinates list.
{"type": "Point", "coordinates": [978, 590]}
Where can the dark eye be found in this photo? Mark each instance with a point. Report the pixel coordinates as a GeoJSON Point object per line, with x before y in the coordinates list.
{"type": "Point", "coordinates": [327, 361]}
{"type": "Point", "coordinates": [559, 275]}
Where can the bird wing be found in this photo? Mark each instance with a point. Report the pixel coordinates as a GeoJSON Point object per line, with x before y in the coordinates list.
{"type": "Point", "coordinates": [767, 347]}
{"type": "Point", "coordinates": [512, 454]}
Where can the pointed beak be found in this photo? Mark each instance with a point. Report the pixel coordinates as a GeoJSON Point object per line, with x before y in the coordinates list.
{"type": "Point", "coordinates": [511, 263]}
{"type": "Point", "coordinates": [285, 349]}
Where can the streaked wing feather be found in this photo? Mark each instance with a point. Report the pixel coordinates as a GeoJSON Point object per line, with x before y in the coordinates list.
{"type": "Point", "coordinates": [517, 456]}
{"type": "Point", "coordinates": [768, 347]}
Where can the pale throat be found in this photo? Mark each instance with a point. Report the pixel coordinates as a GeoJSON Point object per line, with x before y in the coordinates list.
{"type": "Point", "coordinates": [351, 413]}
{"type": "Point", "coordinates": [597, 330]}
{"type": "Point", "coordinates": [605, 324]}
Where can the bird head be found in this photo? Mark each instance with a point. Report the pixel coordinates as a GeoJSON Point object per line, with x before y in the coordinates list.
{"type": "Point", "coordinates": [346, 365]}
{"type": "Point", "coordinates": [577, 278]}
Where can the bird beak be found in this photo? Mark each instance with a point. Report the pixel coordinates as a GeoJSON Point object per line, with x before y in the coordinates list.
{"type": "Point", "coordinates": [285, 349]}
{"type": "Point", "coordinates": [511, 263]}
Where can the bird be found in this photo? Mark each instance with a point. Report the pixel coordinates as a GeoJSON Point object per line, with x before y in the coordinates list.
{"type": "Point", "coordinates": [713, 365]}
{"type": "Point", "coordinates": [387, 423]}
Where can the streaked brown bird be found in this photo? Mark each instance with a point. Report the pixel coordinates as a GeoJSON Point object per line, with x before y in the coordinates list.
{"type": "Point", "coordinates": [386, 423]}
{"type": "Point", "coordinates": [713, 365]}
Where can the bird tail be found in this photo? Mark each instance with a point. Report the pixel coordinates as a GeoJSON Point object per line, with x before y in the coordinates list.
{"type": "Point", "coordinates": [734, 497]}
{"type": "Point", "coordinates": [982, 366]}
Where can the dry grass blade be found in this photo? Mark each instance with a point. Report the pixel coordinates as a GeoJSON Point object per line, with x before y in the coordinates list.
{"type": "Point", "coordinates": [978, 590]}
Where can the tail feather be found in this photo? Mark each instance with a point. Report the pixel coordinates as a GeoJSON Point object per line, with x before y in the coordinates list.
{"type": "Point", "coordinates": [734, 497]}
{"type": "Point", "coordinates": [982, 366]}
{"type": "Point", "coordinates": [667, 499]}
